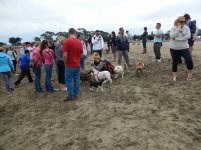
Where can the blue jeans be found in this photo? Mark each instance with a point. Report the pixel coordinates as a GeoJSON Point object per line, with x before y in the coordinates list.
{"type": "Point", "coordinates": [37, 72]}
{"type": "Point", "coordinates": [6, 77]}
{"type": "Point", "coordinates": [48, 84]}
{"type": "Point", "coordinates": [72, 76]}
{"type": "Point", "coordinates": [144, 43]}
{"type": "Point", "coordinates": [82, 61]}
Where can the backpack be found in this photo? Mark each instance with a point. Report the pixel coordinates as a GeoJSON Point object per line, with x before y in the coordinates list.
{"type": "Point", "coordinates": [109, 66]}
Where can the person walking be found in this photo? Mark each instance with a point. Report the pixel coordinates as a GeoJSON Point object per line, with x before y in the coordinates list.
{"type": "Point", "coordinates": [122, 47]}
{"type": "Point", "coordinates": [179, 46]}
{"type": "Point", "coordinates": [98, 43]}
{"type": "Point", "coordinates": [6, 68]}
{"type": "Point", "coordinates": [72, 53]}
{"type": "Point", "coordinates": [158, 35]}
{"type": "Point", "coordinates": [144, 40]}
{"type": "Point", "coordinates": [24, 66]}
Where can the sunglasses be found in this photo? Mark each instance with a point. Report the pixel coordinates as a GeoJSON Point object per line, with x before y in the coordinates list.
{"type": "Point", "coordinates": [182, 21]}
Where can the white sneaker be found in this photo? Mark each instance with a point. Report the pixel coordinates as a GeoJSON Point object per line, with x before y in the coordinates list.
{"type": "Point", "coordinates": [158, 60]}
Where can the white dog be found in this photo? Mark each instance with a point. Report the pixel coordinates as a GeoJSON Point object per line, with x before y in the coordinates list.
{"type": "Point", "coordinates": [102, 76]}
{"type": "Point", "coordinates": [120, 70]}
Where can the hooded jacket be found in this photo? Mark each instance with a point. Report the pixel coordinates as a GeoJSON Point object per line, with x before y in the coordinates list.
{"type": "Point", "coordinates": [97, 42]}
{"type": "Point", "coordinates": [6, 63]}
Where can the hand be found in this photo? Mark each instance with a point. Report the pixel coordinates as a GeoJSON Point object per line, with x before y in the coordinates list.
{"type": "Point", "coordinates": [179, 26]}
{"type": "Point", "coordinates": [13, 71]}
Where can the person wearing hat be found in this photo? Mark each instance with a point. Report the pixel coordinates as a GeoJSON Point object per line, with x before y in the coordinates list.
{"type": "Point", "coordinates": [122, 47]}
{"type": "Point", "coordinates": [98, 63]}
{"type": "Point", "coordinates": [98, 43]}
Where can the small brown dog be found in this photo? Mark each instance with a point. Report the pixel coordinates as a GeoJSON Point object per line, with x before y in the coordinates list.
{"type": "Point", "coordinates": [85, 75]}
{"type": "Point", "coordinates": [139, 68]}
{"type": "Point", "coordinates": [107, 51]}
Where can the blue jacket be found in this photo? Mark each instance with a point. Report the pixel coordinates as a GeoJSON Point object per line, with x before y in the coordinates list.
{"type": "Point", "coordinates": [24, 62]}
{"type": "Point", "coordinates": [122, 43]}
{"type": "Point", "coordinates": [6, 63]}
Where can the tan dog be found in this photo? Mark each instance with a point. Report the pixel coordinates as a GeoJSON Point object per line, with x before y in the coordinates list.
{"type": "Point", "coordinates": [107, 51]}
{"type": "Point", "coordinates": [139, 68]}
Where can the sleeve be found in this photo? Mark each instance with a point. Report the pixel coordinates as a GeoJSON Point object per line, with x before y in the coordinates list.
{"type": "Point", "coordinates": [102, 43]}
{"type": "Point", "coordinates": [21, 51]}
{"type": "Point", "coordinates": [100, 66]}
{"type": "Point", "coordinates": [94, 40]}
{"type": "Point", "coordinates": [10, 63]}
{"type": "Point", "coordinates": [173, 33]}
{"type": "Point", "coordinates": [34, 56]}
{"type": "Point", "coordinates": [185, 36]}
{"type": "Point", "coordinates": [192, 27]}
{"type": "Point", "coordinates": [65, 47]}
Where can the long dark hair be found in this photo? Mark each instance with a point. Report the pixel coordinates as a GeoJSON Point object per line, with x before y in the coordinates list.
{"type": "Point", "coordinates": [43, 46]}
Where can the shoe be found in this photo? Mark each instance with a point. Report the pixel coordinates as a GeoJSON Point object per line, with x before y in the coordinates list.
{"type": "Point", "coordinates": [11, 89]}
{"type": "Point", "coordinates": [69, 98]}
{"type": "Point", "coordinates": [56, 89]}
{"type": "Point", "coordinates": [158, 60]}
{"type": "Point", "coordinates": [174, 79]}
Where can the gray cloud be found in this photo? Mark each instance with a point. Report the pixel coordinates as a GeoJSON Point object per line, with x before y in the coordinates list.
{"type": "Point", "coordinates": [31, 16]}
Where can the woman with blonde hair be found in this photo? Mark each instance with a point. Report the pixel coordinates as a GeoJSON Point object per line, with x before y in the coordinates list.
{"type": "Point", "coordinates": [98, 63]}
{"type": "Point", "coordinates": [179, 46]}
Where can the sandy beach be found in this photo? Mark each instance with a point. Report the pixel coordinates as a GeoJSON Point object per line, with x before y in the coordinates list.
{"type": "Point", "coordinates": [149, 112]}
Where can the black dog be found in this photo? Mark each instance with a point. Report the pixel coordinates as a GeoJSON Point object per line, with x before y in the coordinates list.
{"type": "Point", "coordinates": [94, 83]}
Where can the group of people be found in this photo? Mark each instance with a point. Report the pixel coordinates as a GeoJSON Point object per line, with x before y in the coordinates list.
{"type": "Point", "coordinates": [69, 55]}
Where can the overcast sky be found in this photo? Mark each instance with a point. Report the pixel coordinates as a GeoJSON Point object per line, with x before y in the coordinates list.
{"type": "Point", "coordinates": [30, 18]}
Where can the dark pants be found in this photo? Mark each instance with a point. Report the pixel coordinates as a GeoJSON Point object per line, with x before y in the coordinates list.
{"type": "Point", "coordinates": [176, 55]}
{"type": "Point", "coordinates": [99, 52]}
{"type": "Point", "coordinates": [14, 64]}
{"type": "Point", "coordinates": [82, 61]}
{"type": "Point", "coordinates": [128, 46]}
{"type": "Point", "coordinates": [61, 71]}
{"type": "Point", "coordinates": [72, 79]}
{"type": "Point", "coordinates": [144, 43]}
{"type": "Point", "coordinates": [22, 75]}
{"type": "Point", "coordinates": [37, 72]}
{"type": "Point", "coordinates": [91, 46]}
{"type": "Point", "coordinates": [48, 84]}
{"type": "Point", "coordinates": [157, 50]}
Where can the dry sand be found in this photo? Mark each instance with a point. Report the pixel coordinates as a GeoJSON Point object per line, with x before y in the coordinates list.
{"type": "Point", "coordinates": [150, 112]}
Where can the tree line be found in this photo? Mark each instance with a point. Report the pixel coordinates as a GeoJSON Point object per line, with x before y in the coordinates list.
{"type": "Point", "coordinates": [48, 35]}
